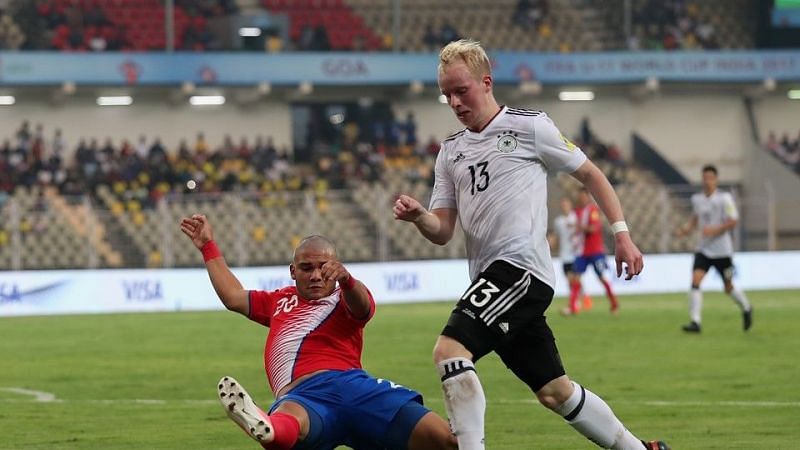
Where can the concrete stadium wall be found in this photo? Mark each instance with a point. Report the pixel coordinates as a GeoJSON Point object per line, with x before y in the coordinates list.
{"type": "Point", "coordinates": [777, 113]}
{"type": "Point", "coordinates": [81, 117]}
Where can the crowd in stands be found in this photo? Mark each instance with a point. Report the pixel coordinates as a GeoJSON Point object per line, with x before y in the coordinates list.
{"type": "Point", "coordinates": [108, 25]}
{"type": "Point", "coordinates": [350, 25]}
{"type": "Point", "coordinates": [147, 169]}
{"type": "Point", "coordinates": [670, 25]}
{"type": "Point", "coordinates": [529, 14]}
{"type": "Point", "coordinates": [436, 37]}
{"type": "Point", "coordinates": [601, 151]}
{"type": "Point", "coordinates": [785, 149]}
{"type": "Point", "coordinates": [11, 35]}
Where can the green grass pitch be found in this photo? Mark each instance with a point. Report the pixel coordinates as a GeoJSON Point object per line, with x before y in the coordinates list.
{"type": "Point", "coordinates": [147, 381]}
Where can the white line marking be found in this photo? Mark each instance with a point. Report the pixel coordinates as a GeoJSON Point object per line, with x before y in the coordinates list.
{"type": "Point", "coordinates": [39, 396]}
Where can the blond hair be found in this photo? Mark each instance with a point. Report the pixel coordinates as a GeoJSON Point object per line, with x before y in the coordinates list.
{"type": "Point", "coordinates": [468, 52]}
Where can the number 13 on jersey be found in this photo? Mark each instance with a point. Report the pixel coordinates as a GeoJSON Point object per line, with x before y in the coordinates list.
{"type": "Point", "coordinates": [479, 177]}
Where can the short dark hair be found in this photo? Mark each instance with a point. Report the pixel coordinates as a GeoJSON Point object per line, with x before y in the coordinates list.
{"type": "Point", "coordinates": [710, 168]}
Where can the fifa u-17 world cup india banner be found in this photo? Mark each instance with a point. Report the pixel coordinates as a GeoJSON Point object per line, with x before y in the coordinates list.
{"type": "Point", "coordinates": [105, 291]}
{"type": "Point", "coordinates": [358, 69]}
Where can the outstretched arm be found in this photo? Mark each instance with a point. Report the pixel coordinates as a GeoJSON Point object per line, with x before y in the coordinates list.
{"type": "Point", "coordinates": [228, 287]}
{"type": "Point", "coordinates": [716, 230]}
{"type": "Point", "coordinates": [437, 225]}
{"type": "Point", "coordinates": [687, 227]}
{"type": "Point", "coordinates": [625, 250]}
{"type": "Point", "coordinates": [355, 293]}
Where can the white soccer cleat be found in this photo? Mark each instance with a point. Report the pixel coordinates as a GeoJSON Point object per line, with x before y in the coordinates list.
{"type": "Point", "coordinates": [241, 409]}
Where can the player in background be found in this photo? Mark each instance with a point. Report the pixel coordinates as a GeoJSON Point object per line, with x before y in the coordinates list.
{"type": "Point", "coordinates": [492, 178]}
{"type": "Point", "coordinates": [590, 227]}
{"type": "Point", "coordinates": [569, 245]}
{"type": "Point", "coordinates": [312, 358]}
{"type": "Point", "coordinates": [714, 213]}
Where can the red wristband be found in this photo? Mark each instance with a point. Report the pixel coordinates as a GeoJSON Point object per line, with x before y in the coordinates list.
{"type": "Point", "coordinates": [210, 251]}
{"type": "Point", "coordinates": [350, 283]}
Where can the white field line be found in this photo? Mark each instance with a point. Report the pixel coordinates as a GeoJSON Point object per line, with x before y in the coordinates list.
{"type": "Point", "coordinates": [45, 397]}
{"type": "Point", "coordinates": [38, 396]}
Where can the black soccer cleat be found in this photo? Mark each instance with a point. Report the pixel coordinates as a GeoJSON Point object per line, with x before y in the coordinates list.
{"type": "Point", "coordinates": [747, 319]}
{"type": "Point", "coordinates": [656, 445]}
{"type": "Point", "coordinates": [691, 327]}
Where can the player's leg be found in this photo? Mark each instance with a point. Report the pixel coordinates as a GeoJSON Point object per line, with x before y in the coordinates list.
{"type": "Point", "coordinates": [533, 357]}
{"type": "Point", "coordinates": [464, 399]}
{"type": "Point", "coordinates": [415, 427]}
{"type": "Point", "coordinates": [725, 268]}
{"type": "Point", "coordinates": [699, 269]}
{"type": "Point", "coordinates": [471, 332]}
{"type": "Point", "coordinates": [432, 433]}
{"type": "Point", "coordinates": [279, 430]}
{"type": "Point", "coordinates": [600, 267]}
{"type": "Point", "coordinates": [378, 413]}
{"type": "Point", "coordinates": [575, 286]}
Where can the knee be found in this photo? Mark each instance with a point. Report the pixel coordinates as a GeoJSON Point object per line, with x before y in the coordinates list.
{"type": "Point", "coordinates": [728, 288]}
{"type": "Point", "coordinates": [555, 393]}
{"type": "Point", "coordinates": [553, 398]}
{"type": "Point", "coordinates": [447, 348]}
{"type": "Point", "coordinates": [451, 443]}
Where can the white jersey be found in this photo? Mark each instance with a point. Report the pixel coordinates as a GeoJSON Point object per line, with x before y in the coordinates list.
{"type": "Point", "coordinates": [569, 242]}
{"type": "Point", "coordinates": [497, 180]}
{"type": "Point", "coordinates": [714, 210]}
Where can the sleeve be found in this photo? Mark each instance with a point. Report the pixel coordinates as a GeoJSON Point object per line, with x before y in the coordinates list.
{"type": "Point", "coordinates": [361, 321]}
{"type": "Point", "coordinates": [262, 306]}
{"type": "Point", "coordinates": [444, 190]}
{"type": "Point", "coordinates": [730, 207]}
{"type": "Point", "coordinates": [555, 150]}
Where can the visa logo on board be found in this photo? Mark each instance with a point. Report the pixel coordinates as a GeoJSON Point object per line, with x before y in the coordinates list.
{"type": "Point", "coordinates": [401, 281]}
{"type": "Point", "coordinates": [143, 290]}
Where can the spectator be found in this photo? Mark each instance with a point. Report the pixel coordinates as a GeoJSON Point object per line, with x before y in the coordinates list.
{"type": "Point", "coordinates": [448, 33]}
{"type": "Point", "coordinates": [430, 38]}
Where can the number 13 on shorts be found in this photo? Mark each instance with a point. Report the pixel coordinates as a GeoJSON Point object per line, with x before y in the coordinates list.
{"type": "Point", "coordinates": [480, 300]}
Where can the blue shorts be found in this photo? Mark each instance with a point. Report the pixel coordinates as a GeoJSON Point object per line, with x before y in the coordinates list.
{"type": "Point", "coordinates": [597, 261]}
{"type": "Point", "coordinates": [354, 409]}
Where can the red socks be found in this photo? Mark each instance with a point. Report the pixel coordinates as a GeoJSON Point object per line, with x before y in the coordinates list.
{"type": "Point", "coordinates": [574, 293]}
{"type": "Point", "coordinates": [286, 429]}
{"type": "Point", "coordinates": [611, 297]}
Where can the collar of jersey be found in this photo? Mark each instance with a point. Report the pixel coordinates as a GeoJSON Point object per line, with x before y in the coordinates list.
{"type": "Point", "coordinates": [472, 135]}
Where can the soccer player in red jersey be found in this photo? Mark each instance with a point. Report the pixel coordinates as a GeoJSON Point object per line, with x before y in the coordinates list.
{"type": "Point", "coordinates": [594, 251]}
{"type": "Point", "coordinates": [312, 358]}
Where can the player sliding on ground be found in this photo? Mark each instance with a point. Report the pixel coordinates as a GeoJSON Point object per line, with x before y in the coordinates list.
{"type": "Point", "coordinates": [492, 178]}
{"type": "Point", "coordinates": [313, 359]}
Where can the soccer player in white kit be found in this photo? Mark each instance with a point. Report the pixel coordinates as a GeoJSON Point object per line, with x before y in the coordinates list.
{"type": "Point", "coordinates": [569, 246]}
{"type": "Point", "coordinates": [714, 213]}
{"type": "Point", "coordinates": [492, 178]}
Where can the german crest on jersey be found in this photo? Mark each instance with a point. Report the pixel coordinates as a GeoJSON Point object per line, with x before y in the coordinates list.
{"type": "Point", "coordinates": [507, 142]}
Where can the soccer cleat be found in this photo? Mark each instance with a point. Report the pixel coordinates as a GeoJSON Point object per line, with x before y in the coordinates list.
{"type": "Point", "coordinates": [747, 319]}
{"type": "Point", "coordinates": [656, 445]}
{"type": "Point", "coordinates": [241, 409]}
{"type": "Point", "coordinates": [568, 312]}
{"type": "Point", "coordinates": [586, 303]}
{"type": "Point", "coordinates": [692, 327]}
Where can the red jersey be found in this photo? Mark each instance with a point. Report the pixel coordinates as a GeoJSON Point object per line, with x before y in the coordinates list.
{"type": "Point", "coordinates": [306, 336]}
{"type": "Point", "coordinates": [589, 216]}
